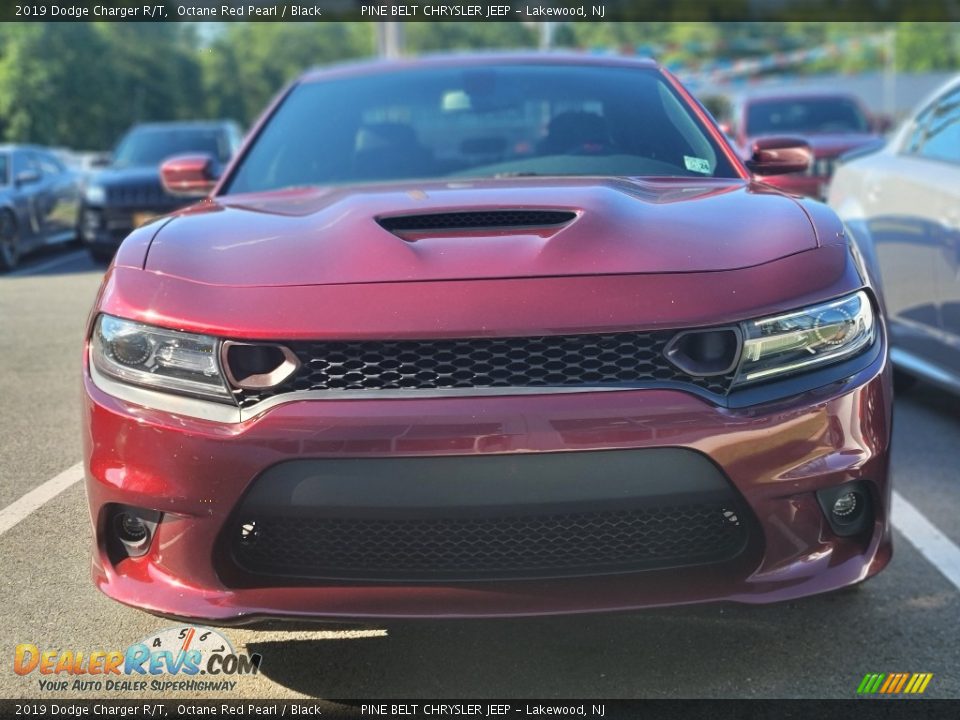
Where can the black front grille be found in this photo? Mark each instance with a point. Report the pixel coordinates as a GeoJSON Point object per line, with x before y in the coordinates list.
{"type": "Point", "coordinates": [476, 220]}
{"type": "Point", "coordinates": [432, 546]}
{"type": "Point", "coordinates": [139, 196]}
{"type": "Point", "coordinates": [625, 359]}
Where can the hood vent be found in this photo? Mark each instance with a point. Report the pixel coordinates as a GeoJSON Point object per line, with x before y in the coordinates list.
{"type": "Point", "coordinates": [478, 220]}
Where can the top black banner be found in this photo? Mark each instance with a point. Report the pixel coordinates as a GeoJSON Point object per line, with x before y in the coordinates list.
{"type": "Point", "coordinates": [480, 10]}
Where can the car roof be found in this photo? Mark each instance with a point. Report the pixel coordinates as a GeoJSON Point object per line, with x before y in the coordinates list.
{"type": "Point", "coordinates": [801, 94]}
{"type": "Point", "coordinates": [183, 125]}
{"type": "Point", "coordinates": [10, 147]}
{"type": "Point", "coordinates": [377, 66]}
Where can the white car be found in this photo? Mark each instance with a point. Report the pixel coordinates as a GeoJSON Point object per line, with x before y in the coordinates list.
{"type": "Point", "coordinates": [902, 205]}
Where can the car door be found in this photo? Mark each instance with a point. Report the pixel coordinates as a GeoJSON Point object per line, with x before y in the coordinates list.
{"type": "Point", "coordinates": [937, 145]}
{"type": "Point", "coordinates": [63, 190]}
{"type": "Point", "coordinates": [899, 201]}
{"type": "Point", "coordinates": [29, 199]}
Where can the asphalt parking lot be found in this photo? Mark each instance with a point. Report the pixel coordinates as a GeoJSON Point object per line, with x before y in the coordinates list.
{"type": "Point", "coordinates": [904, 620]}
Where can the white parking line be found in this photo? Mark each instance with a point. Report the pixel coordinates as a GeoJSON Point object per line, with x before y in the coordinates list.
{"type": "Point", "coordinates": [49, 265]}
{"type": "Point", "coordinates": [39, 496]}
{"type": "Point", "coordinates": [936, 547]}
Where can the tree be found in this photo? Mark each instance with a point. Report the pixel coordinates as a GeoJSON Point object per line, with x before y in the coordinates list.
{"type": "Point", "coordinates": [248, 63]}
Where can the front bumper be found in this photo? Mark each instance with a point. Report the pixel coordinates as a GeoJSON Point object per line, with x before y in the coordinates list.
{"type": "Point", "coordinates": [775, 457]}
{"type": "Point", "coordinates": [105, 228]}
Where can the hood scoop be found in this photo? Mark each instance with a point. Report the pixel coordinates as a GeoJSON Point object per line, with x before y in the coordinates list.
{"type": "Point", "coordinates": [410, 227]}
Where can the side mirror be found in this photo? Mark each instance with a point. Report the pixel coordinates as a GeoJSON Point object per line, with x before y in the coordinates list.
{"type": "Point", "coordinates": [188, 175]}
{"type": "Point", "coordinates": [26, 177]}
{"type": "Point", "coordinates": [779, 156]}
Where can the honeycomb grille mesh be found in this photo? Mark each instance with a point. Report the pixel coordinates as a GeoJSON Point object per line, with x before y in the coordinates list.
{"type": "Point", "coordinates": [551, 544]}
{"type": "Point", "coordinates": [597, 360]}
{"type": "Point", "coordinates": [476, 220]}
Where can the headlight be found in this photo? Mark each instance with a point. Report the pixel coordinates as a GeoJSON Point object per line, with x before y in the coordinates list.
{"type": "Point", "coordinates": [158, 358]}
{"type": "Point", "coordinates": [95, 195]}
{"type": "Point", "coordinates": [805, 339]}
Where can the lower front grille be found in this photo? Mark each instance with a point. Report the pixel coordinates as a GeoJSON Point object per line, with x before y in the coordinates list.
{"type": "Point", "coordinates": [429, 545]}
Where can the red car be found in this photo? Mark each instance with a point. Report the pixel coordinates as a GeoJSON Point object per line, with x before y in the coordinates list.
{"type": "Point", "coordinates": [485, 336]}
{"type": "Point", "coordinates": [831, 123]}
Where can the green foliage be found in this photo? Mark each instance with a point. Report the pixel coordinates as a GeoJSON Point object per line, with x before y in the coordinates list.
{"type": "Point", "coordinates": [248, 63]}
{"type": "Point", "coordinates": [83, 84]}
{"type": "Point", "coordinates": [923, 46]}
{"type": "Point", "coordinates": [425, 37]}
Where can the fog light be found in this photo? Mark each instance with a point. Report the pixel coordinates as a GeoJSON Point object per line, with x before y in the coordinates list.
{"type": "Point", "coordinates": [133, 530]}
{"type": "Point", "coordinates": [847, 508]}
{"type": "Point", "coordinates": [845, 505]}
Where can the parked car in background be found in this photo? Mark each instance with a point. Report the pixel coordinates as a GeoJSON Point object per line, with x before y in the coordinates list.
{"type": "Point", "coordinates": [902, 204]}
{"type": "Point", "coordinates": [831, 123]}
{"type": "Point", "coordinates": [128, 192]}
{"type": "Point", "coordinates": [459, 337]}
{"type": "Point", "coordinates": [39, 201]}
{"type": "Point", "coordinates": [85, 163]}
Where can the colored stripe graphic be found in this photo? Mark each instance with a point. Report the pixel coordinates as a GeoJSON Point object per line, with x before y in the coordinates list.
{"type": "Point", "coordinates": [903, 681]}
{"type": "Point", "coordinates": [894, 683]}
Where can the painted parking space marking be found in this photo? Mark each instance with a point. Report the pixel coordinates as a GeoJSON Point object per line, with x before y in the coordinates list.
{"type": "Point", "coordinates": [39, 496]}
{"type": "Point", "coordinates": [939, 550]}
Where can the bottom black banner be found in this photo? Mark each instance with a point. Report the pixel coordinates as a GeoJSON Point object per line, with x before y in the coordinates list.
{"type": "Point", "coordinates": [887, 709]}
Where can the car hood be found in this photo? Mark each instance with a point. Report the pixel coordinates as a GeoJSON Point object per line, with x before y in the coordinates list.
{"type": "Point", "coordinates": [615, 226]}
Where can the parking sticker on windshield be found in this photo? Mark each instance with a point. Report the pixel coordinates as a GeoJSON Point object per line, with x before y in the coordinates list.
{"type": "Point", "coordinates": [695, 164]}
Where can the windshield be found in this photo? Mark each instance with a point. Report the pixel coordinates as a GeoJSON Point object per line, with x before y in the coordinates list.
{"type": "Point", "coordinates": [151, 146]}
{"type": "Point", "coordinates": [3, 169]}
{"type": "Point", "coordinates": [805, 115]}
{"type": "Point", "coordinates": [481, 121]}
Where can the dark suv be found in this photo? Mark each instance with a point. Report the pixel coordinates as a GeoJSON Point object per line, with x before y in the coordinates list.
{"type": "Point", "coordinates": [128, 193]}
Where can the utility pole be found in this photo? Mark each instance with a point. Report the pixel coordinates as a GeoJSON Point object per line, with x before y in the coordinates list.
{"type": "Point", "coordinates": [546, 35]}
{"type": "Point", "coordinates": [389, 40]}
{"type": "Point", "coordinates": [890, 72]}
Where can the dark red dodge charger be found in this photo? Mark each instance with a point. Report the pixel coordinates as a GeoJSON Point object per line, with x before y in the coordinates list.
{"type": "Point", "coordinates": [485, 336]}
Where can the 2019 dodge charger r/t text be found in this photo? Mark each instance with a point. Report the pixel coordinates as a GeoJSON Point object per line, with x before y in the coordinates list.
{"type": "Point", "coordinates": [485, 336]}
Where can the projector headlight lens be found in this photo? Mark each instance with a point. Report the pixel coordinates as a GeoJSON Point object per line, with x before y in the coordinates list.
{"type": "Point", "coordinates": [806, 339]}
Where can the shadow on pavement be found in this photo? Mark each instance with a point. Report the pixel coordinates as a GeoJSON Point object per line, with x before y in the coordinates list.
{"type": "Point", "coordinates": [707, 651]}
{"type": "Point", "coordinates": [67, 259]}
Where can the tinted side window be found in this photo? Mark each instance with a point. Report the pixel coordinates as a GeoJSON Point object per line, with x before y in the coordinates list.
{"type": "Point", "coordinates": [937, 132]}
{"type": "Point", "coordinates": [23, 161]}
{"type": "Point", "coordinates": [49, 165]}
